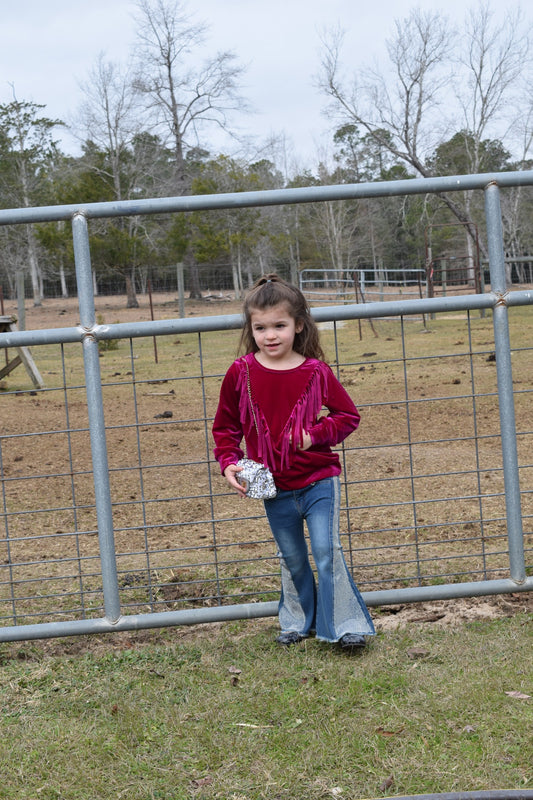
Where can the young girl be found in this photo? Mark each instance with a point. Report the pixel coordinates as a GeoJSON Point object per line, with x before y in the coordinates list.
{"type": "Point", "coordinates": [285, 377]}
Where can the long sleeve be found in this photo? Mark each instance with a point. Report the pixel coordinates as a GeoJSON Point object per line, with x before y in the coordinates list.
{"type": "Point", "coordinates": [227, 427]}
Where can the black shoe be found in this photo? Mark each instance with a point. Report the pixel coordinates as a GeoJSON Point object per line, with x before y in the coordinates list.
{"type": "Point", "coordinates": [289, 637]}
{"type": "Point", "coordinates": [351, 640]}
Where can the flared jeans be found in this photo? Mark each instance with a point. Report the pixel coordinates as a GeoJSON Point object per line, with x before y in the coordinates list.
{"type": "Point", "coordinates": [334, 606]}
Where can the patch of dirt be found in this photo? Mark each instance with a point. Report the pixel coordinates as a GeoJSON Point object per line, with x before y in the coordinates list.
{"type": "Point", "coordinates": [450, 613]}
{"type": "Point", "coordinates": [100, 644]}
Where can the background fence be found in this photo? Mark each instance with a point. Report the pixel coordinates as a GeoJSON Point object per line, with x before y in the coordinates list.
{"type": "Point", "coordinates": [359, 285]}
{"type": "Point", "coordinates": [113, 512]}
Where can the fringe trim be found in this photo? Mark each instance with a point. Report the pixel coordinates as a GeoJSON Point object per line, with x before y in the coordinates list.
{"type": "Point", "coordinates": [302, 417]}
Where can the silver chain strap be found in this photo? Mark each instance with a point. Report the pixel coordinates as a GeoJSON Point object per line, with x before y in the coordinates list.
{"type": "Point", "coordinates": [250, 394]}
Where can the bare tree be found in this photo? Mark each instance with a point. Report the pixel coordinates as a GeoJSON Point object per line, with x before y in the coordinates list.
{"type": "Point", "coordinates": [110, 117]}
{"type": "Point", "coordinates": [493, 58]}
{"type": "Point", "coordinates": [398, 110]}
{"type": "Point", "coordinates": [411, 110]}
{"type": "Point", "coordinates": [394, 110]}
{"type": "Point", "coordinates": [184, 96]}
{"type": "Point", "coordinates": [515, 214]}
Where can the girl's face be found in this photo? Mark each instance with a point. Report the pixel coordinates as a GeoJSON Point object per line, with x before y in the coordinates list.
{"type": "Point", "coordinates": [274, 330]}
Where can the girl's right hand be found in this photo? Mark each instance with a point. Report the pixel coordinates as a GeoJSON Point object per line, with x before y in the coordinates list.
{"type": "Point", "coordinates": [230, 475]}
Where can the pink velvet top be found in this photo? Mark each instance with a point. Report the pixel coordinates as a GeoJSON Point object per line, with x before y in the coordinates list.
{"type": "Point", "coordinates": [286, 402]}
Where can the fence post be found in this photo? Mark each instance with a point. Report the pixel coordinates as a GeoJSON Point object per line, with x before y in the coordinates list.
{"type": "Point", "coordinates": [181, 289]}
{"type": "Point", "coordinates": [505, 383]}
{"type": "Point", "coordinates": [95, 407]}
{"type": "Point", "coordinates": [21, 301]}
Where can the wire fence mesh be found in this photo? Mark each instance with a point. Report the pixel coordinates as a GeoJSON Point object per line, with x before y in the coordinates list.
{"type": "Point", "coordinates": [113, 511]}
{"type": "Point", "coordinates": [423, 485]}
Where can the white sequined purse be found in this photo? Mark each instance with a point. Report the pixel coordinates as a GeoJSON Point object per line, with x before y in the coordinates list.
{"type": "Point", "coordinates": [255, 477]}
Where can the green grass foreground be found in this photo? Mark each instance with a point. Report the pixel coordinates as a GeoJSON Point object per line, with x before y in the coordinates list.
{"type": "Point", "coordinates": [224, 712]}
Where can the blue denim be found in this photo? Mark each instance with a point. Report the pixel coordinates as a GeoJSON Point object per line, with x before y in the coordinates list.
{"type": "Point", "coordinates": [335, 607]}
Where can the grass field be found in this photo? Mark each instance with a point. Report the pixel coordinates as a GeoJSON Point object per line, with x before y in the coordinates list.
{"type": "Point", "coordinates": [221, 712]}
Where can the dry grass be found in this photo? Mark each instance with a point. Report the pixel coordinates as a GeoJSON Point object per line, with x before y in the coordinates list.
{"type": "Point", "coordinates": [424, 483]}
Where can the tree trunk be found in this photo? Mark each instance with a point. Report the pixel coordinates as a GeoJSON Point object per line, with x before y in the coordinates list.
{"type": "Point", "coordinates": [130, 291]}
{"type": "Point", "coordinates": [236, 265]}
{"type": "Point", "coordinates": [34, 268]}
{"type": "Point", "coordinates": [64, 290]}
{"type": "Point", "coordinates": [194, 276]}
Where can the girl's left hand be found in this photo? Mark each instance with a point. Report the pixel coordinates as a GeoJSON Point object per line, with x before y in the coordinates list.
{"type": "Point", "coordinates": [306, 441]}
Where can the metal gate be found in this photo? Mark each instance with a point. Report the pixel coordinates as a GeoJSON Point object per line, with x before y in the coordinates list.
{"type": "Point", "coordinates": [181, 551]}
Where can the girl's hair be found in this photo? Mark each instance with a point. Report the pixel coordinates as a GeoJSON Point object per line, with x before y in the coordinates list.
{"type": "Point", "coordinates": [269, 291]}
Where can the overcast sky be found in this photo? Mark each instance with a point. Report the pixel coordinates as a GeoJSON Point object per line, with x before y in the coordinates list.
{"type": "Point", "coordinates": [48, 46]}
